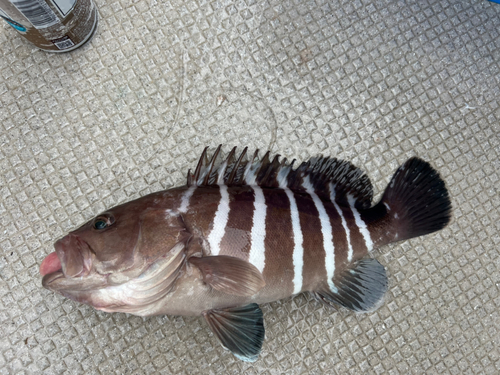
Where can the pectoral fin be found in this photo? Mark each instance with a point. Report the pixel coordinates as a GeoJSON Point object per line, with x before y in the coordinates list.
{"type": "Point", "coordinates": [230, 275]}
{"type": "Point", "coordinates": [239, 329]}
{"type": "Point", "coordinates": [359, 289]}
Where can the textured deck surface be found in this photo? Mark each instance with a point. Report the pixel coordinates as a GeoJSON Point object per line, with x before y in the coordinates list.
{"type": "Point", "coordinates": [374, 82]}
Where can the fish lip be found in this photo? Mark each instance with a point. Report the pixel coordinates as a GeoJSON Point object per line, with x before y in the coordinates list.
{"type": "Point", "coordinates": [73, 249]}
{"type": "Point", "coordinates": [87, 279]}
{"type": "Point", "coordinates": [49, 279]}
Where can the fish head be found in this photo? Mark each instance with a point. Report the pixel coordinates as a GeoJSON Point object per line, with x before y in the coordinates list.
{"type": "Point", "coordinates": [102, 261]}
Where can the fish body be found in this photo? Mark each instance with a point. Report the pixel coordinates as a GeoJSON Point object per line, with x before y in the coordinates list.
{"type": "Point", "coordinates": [244, 232]}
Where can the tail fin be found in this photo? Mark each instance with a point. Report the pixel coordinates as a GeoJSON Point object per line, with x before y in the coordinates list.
{"type": "Point", "coordinates": [416, 200]}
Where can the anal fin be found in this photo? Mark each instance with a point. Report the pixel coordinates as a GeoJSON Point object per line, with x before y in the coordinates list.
{"type": "Point", "coordinates": [239, 329]}
{"type": "Point", "coordinates": [359, 288]}
{"type": "Point", "coordinates": [229, 274]}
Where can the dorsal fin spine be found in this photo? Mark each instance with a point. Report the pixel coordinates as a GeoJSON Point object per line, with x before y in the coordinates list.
{"type": "Point", "coordinates": [202, 160]}
{"type": "Point", "coordinates": [263, 170]}
{"type": "Point", "coordinates": [321, 173]}
{"type": "Point", "coordinates": [250, 174]}
{"type": "Point", "coordinates": [283, 174]}
{"type": "Point", "coordinates": [236, 166]}
{"type": "Point", "coordinates": [221, 171]}
{"type": "Point", "coordinates": [271, 174]}
{"type": "Point", "coordinates": [211, 166]}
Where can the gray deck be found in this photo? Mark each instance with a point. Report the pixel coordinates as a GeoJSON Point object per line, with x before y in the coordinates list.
{"type": "Point", "coordinates": [374, 82]}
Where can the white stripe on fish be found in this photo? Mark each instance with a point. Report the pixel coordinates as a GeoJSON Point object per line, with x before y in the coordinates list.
{"type": "Point", "coordinates": [363, 229]}
{"type": "Point", "coordinates": [257, 254]}
{"type": "Point", "coordinates": [298, 250]}
{"type": "Point", "coordinates": [186, 198]}
{"type": "Point", "coordinates": [326, 231]}
{"type": "Point", "coordinates": [344, 223]}
{"type": "Point", "coordinates": [220, 221]}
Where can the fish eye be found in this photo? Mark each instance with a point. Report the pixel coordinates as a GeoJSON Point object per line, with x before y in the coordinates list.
{"type": "Point", "coordinates": [100, 224]}
{"type": "Point", "coordinates": [103, 221]}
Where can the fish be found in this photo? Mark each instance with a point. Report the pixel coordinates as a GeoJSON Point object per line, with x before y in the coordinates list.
{"type": "Point", "coordinates": [245, 231]}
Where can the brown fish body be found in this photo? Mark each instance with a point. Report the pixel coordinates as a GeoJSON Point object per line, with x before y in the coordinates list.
{"type": "Point", "coordinates": [243, 233]}
{"type": "Point", "coordinates": [191, 295]}
{"type": "Point", "coordinates": [278, 272]}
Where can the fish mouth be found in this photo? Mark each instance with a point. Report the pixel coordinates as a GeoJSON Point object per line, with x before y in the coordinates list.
{"type": "Point", "coordinates": [50, 264]}
{"type": "Point", "coordinates": [51, 269]}
{"type": "Point", "coordinates": [71, 259]}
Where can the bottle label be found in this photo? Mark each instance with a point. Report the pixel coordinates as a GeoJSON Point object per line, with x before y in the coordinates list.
{"type": "Point", "coordinates": [37, 12]}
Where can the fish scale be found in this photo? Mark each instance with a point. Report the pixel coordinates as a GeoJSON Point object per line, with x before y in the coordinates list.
{"type": "Point", "coordinates": [246, 231]}
{"type": "Point", "coordinates": [238, 210]}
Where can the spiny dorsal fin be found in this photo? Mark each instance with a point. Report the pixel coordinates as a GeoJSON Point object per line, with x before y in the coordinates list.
{"type": "Point", "coordinates": [344, 178]}
{"type": "Point", "coordinates": [323, 173]}
{"type": "Point", "coordinates": [237, 168]}
{"type": "Point", "coordinates": [210, 167]}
